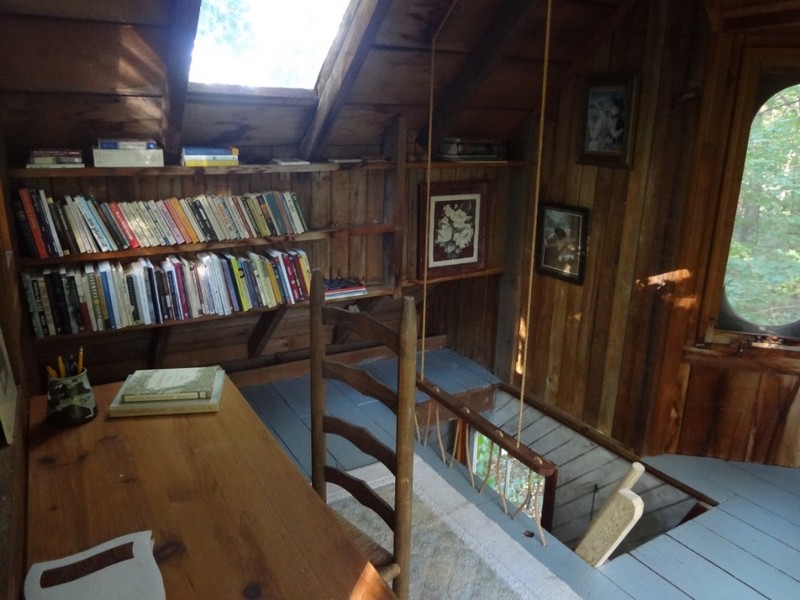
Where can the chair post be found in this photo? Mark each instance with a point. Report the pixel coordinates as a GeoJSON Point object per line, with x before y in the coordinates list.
{"type": "Point", "coordinates": [406, 394]}
{"type": "Point", "coordinates": [318, 398]}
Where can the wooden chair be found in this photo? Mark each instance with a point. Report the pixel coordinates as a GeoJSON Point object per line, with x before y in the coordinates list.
{"type": "Point", "coordinates": [393, 565]}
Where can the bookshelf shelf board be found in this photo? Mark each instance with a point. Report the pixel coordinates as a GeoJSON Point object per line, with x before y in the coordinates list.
{"type": "Point", "coordinates": [465, 164]}
{"type": "Point", "coordinates": [168, 170]}
{"type": "Point", "coordinates": [458, 277]}
{"type": "Point", "coordinates": [182, 249]}
{"type": "Point", "coordinates": [373, 291]}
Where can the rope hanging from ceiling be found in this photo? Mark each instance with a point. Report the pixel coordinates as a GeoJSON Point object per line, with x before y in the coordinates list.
{"type": "Point", "coordinates": [534, 491]}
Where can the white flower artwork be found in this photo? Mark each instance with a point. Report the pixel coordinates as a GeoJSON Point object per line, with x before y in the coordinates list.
{"type": "Point", "coordinates": [452, 238]}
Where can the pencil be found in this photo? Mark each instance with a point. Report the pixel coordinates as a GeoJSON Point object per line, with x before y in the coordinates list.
{"type": "Point", "coordinates": [80, 360]}
{"type": "Point", "coordinates": [61, 368]}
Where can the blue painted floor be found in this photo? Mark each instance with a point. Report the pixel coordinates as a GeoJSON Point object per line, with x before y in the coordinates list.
{"type": "Point", "coordinates": [746, 547]}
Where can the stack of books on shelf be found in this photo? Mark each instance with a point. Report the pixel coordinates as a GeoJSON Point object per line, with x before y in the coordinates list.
{"type": "Point", "coordinates": [68, 225]}
{"type": "Point", "coordinates": [55, 158]}
{"type": "Point", "coordinates": [101, 295]}
{"type": "Point", "coordinates": [169, 391]}
{"type": "Point", "coordinates": [344, 287]}
{"type": "Point", "coordinates": [210, 156]}
{"type": "Point", "coordinates": [111, 152]}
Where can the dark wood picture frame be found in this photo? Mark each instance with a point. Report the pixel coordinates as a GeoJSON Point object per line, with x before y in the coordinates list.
{"type": "Point", "coordinates": [454, 224]}
{"type": "Point", "coordinates": [606, 134]}
{"type": "Point", "coordinates": [562, 235]}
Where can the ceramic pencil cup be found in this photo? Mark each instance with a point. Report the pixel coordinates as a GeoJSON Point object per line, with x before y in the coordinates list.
{"type": "Point", "coordinates": [70, 400]}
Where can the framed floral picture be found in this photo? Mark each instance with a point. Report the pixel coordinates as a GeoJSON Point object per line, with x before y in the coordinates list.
{"type": "Point", "coordinates": [452, 237]}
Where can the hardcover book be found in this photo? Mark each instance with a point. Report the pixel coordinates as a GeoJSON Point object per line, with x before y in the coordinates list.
{"type": "Point", "coordinates": [120, 408]}
{"type": "Point", "coordinates": [185, 383]}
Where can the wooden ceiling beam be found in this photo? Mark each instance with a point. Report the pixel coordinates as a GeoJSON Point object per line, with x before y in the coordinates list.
{"type": "Point", "coordinates": [338, 76]}
{"type": "Point", "coordinates": [489, 51]}
{"type": "Point", "coordinates": [185, 16]}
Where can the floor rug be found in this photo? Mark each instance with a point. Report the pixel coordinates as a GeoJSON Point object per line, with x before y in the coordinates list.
{"type": "Point", "coordinates": [457, 552]}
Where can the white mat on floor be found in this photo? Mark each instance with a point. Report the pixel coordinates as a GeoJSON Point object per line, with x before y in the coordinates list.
{"type": "Point", "coordinates": [508, 558]}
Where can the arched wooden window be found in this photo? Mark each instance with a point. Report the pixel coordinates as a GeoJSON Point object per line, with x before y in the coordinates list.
{"type": "Point", "coordinates": [761, 292]}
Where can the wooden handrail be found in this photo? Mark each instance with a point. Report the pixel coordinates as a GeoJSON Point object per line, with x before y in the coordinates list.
{"type": "Point", "coordinates": [525, 455]}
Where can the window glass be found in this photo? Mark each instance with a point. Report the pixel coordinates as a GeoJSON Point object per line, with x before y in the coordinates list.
{"type": "Point", "coordinates": [762, 279]}
{"type": "Point", "coordinates": [264, 43]}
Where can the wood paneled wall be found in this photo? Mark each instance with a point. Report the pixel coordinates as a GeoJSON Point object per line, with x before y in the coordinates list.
{"type": "Point", "coordinates": [619, 352]}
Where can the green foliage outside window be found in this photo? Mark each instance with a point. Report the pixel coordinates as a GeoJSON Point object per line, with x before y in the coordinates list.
{"type": "Point", "coordinates": [762, 281]}
{"type": "Point", "coordinates": [513, 475]}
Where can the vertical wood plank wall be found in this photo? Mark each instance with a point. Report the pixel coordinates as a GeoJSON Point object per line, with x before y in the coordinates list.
{"type": "Point", "coordinates": [618, 351]}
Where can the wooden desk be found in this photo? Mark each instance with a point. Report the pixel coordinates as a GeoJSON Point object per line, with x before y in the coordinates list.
{"type": "Point", "coordinates": [231, 515]}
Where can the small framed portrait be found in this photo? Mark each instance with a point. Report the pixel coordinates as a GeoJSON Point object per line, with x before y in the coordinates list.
{"type": "Point", "coordinates": [562, 233]}
{"type": "Point", "coordinates": [608, 119]}
{"type": "Point", "coordinates": [452, 230]}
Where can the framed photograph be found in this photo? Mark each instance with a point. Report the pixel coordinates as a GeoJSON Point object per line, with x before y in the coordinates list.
{"type": "Point", "coordinates": [562, 233]}
{"type": "Point", "coordinates": [454, 227]}
{"type": "Point", "coordinates": [608, 120]}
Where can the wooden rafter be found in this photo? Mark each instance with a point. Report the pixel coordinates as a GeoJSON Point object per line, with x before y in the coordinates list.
{"type": "Point", "coordinates": [185, 16]}
{"type": "Point", "coordinates": [340, 75]}
{"type": "Point", "coordinates": [489, 51]}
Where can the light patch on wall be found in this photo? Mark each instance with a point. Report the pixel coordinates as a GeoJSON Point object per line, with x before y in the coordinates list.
{"type": "Point", "coordinates": [659, 281]}
{"type": "Point", "coordinates": [522, 334]}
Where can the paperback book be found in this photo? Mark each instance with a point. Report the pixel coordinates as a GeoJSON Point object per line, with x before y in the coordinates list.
{"type": "Point", "coordinates": [166, 404]}
{"type": "Point", "coordinates": [186, 383]}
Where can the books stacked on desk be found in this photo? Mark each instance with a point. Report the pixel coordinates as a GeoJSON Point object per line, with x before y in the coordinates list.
{"type": "Point", "coordinates": [169, 391]}
{"type": "Point", "coordinates": [55, 158]}
{"type": "Point", "coordinates": [111, 152]}
{"type": "Point", "coordinates": [210, 156]}
{"type": "Point", "coordinates": [344, 287]}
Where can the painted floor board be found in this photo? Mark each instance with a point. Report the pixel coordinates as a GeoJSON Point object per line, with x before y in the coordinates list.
{"type": "Point", "coordinates": [683, 469]}
{"type": "Point", "coordinates": [690, 572]}
{"type": "Point", "coordinates": [735, 537]}
{"type": "Point", "coordinates": [753, 540]}
{"type": "Point", "coordinates": [639, 581]}
{"type": "Point", "coordinates": [764, 520]}
{"type": "Point", "coordinates": [293, 435]}
{"type": "Point", "coordinates": [784, 477]}
{"type": "Point", "coordinates": [738, 562]}
{"type": "Point", "coordinates": [755, 489]}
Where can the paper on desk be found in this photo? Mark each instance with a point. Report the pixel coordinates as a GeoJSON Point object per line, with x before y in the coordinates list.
{"type": "Point", "coordinates": [123, 568]}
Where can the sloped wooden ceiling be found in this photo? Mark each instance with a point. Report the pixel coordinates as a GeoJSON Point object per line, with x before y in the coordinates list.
{"type": "Point", "coordinates": [75, 71]}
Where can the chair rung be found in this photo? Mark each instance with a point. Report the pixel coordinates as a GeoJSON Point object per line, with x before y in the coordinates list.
{"type": "Point", "coordinates": [363, 493]}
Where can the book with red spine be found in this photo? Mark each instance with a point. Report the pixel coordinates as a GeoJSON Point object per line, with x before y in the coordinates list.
{"type": "Point", "coordinates": [33, 222]}
{"type": "Point", "coordinates": [122, 221]}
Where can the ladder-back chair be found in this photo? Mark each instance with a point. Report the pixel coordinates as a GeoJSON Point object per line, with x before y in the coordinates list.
{"type": "Point", "coordinates": [393, 564]}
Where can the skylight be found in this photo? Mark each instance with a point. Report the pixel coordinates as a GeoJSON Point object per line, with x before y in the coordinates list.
{"type": "Point", "coordinates": [264, 43]}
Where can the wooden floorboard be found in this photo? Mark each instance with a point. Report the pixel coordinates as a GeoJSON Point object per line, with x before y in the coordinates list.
{"type": "Point", "coordinates": [693, 574]}
{"type": "Point", "coordinates": [692, 475]}
{"type": "Point", "coordinates": [736, 561]}
{"type": "Point", "coordinates": [639, 581]}
{"type": "Point", "coordinates": [746, 547]}
{"type": "Point", "coordinates": [290, 430]}
{"type": "Point", "coordinates": [764, 520]}
{"type": "Point", "coordinates": [755, 541]}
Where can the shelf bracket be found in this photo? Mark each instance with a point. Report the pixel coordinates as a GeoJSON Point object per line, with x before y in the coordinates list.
{"type": "Point", "coordinates": [158, 346]}
{"type": "Point", "coordinates": [263, 331]}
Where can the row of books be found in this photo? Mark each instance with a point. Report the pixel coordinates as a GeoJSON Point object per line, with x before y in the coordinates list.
{"type": "Point", "coordinates": [53, 227]}
{"type": "Point", "coordinates": [97, 296]}
{"type": "Point", "coordinates": [209, 156]}
{"type": "Point", "coordinates": [55, 158]}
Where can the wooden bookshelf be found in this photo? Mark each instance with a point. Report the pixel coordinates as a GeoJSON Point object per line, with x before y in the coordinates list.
{"type": "Point", "coordinates": [351, 211]}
